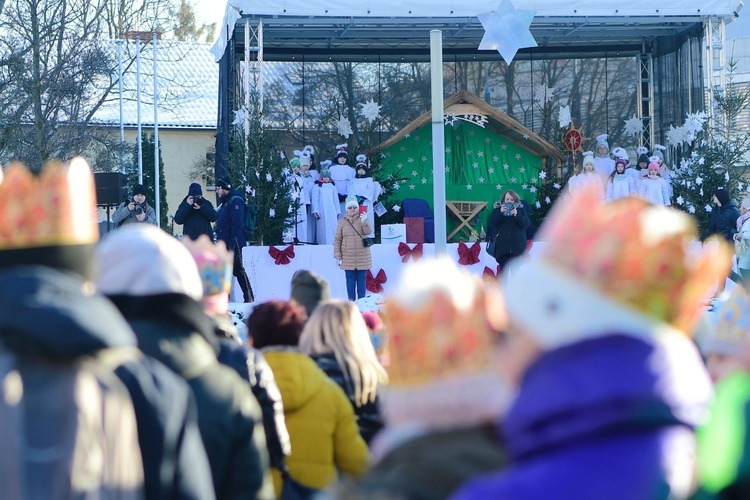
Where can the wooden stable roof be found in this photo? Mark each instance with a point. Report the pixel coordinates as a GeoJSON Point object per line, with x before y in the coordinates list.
{"type": "Point", "coordinates": [465, 102]}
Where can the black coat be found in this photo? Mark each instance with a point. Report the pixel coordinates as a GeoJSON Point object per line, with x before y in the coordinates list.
{"type": "Point", "coordinates": [196, 221]}
{"type": "Point", "coordinates": [173, 329]}
{"type": "Point", "coordinates": [230, 226]}
{"type": "Point", "coordinates": [510, 231]}
{"type": "Point", "coordinates": [368, 416]}
{"type": "Point", "coordinates": [77, 324]}
{"type": "Point", "coordinates": [723, 222]}
{"type": "Point", "coordinates": [252, 366]}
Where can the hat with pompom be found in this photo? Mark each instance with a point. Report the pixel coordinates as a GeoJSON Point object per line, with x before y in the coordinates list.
{"type": "Point", "coordinates": [351, 201]}
{"type": "Point", "coordinates": [601, 140]}
{"type": "Point", "coordinates": [341, 151]}
{"type": "Point", "coordinates": [653, 167]}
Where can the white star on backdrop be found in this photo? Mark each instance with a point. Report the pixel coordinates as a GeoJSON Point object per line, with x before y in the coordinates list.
{"type": "Point", "coordinates": [498, 186]}
{"type": "Point", "coordinates": [491, 170]}
{"type": "Point", "coordinates": [424, 180]}
{"type": "Point", "coordinates": [518, 156]}
{"type": "Point", "coordinates": [507, 30]}
{"type": "Point", "coordinates": [481, 180]}
{"type": "Point", "coordinates": [412, 187]}
{"type": "Point", "coordinates": [413, 173]}
{"type": "Point", "coordinates": [468, 187]}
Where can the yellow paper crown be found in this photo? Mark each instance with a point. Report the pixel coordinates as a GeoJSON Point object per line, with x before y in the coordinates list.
{"type": "Point", "coordinates": [438, 338]}
{"type": "Point", "coordinates": [57, 207]}
{"type": "Point", "coordinates": [639, 254]}
{"type": "Point", "coordinates": [731, 321]}
{"type": "Point", "coordinates": [214, 262]}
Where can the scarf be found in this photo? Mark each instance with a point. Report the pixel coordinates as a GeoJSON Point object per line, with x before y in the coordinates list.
{"type": "Point", "coordinates": [741, 220]}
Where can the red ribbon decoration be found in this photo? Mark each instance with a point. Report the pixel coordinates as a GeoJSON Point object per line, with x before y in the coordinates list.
{"type": "Point", "coordinates": [375, 284]}
{"type": "Point", "coordinates": [405, 252]}
{"type": "Point", "coordinates": [281, 257]}
{"type": "Point", "coordinates": [469, 255]}
{"type": "Point", "coordinates": [489, 273]}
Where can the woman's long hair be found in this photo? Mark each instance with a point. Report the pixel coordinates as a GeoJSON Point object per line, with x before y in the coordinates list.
{"type": "Point", "coordinates": [337, 327]}
{"type": "Point", "coordinates": [516, 198]}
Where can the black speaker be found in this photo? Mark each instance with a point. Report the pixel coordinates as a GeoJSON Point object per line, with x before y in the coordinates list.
{"type": "Point", "coordinates": [111, 188]}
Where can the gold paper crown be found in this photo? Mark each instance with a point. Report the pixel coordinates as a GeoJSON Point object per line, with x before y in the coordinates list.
{"type": "Point", "coordinates": [639, 254]}
{"type": "Point", "coordinates": [57, 207]}
{"type": "Point", "coordinates": [214, 262]}
{"type": "Point", "coordinates": [437, 338]}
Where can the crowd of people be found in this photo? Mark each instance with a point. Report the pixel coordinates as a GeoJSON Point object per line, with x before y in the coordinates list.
{"type": "Point", "coordinates": [592, 370]}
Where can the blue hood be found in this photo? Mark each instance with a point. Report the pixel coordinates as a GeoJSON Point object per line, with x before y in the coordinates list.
{"type": "Point", "coordinates": [45, 312]}
{"type": "Point", "coordinates": [604, 385]}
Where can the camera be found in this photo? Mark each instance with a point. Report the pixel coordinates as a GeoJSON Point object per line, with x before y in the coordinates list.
{"type": "Point", "coordinates": [138, 208]}
{"type": "Point", "coordinates": [197, 200]}
{"type": "Point", "coordinates": [509, 208]}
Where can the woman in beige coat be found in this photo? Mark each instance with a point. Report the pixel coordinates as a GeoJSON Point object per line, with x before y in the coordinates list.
{"type": "Point", "coordinates": [350, 251]}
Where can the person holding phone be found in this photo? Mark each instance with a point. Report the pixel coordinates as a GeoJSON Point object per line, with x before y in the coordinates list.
{"type": "Point", "coordinates": [350, 251]}
{"type": "Point", "coordinates": [509, 219]}
{"type": "Point", "coordinates": [196, 214]}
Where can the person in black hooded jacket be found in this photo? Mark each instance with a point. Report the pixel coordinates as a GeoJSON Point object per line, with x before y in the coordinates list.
{"type": "Point", "coordinates": [49, 310]}
{"type": "Point", "coordinates": [154, 282]}
{"type": "Point", "coordinates": [196, 214]}
{"type": "Point", "coordinates": [509, 221]}
{"type": "Point", "coordinates": [723, 221]}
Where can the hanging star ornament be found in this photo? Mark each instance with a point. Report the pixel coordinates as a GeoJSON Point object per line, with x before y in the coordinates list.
{"type": "Point", "coordinates": [507, 30]}
{"type": "Point", "coordinates": [370, 110]}
{"type": "Point", "coordinates": [634, 126]}
{"type": "Point", "coordinates": [344, 127]}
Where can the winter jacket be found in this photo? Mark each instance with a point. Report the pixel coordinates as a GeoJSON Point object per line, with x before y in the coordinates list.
{"type": "Point", "coordinates": [173, 329]}
{"type": "Point", "coordinates": [723, 222]}
{"type": "Point", "coordinates": [348, 246]}
{"type": "Point", "coordinates": [320, 420]}
{"type": "Point", "coordinates": [252, 366]}
{"type": "Point", "coordinates": [230, 225]}
{"type": "Point", "coordinates": [124, 216]}
{"type": "Point", "coordinates": [196, 221]}
{"type": "Point", "coordinates": [46, 313]}
{"type": "Point", "coordinates": [433, 465]}
{"type": "Point", "coordinates": [510, 231]}
{"type": "Point", "coordinates": [368, 417]}
{"type": "Point", "coordinates": [610, 417]}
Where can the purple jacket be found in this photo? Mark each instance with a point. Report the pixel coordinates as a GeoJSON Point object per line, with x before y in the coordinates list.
{"type": "Point", "coordinates": [603, 418]}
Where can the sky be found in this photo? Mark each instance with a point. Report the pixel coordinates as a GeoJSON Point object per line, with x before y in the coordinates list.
{"type": "Point", "coordinates": [210, 11]}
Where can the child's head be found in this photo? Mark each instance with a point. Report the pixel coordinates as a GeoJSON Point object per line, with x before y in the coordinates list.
{"type": "Point", "coordinates": [620, 166]}
{"type": "Point", "coordinates": [653, 170]}
{"type": "Point", "coordinates": [588, 164]}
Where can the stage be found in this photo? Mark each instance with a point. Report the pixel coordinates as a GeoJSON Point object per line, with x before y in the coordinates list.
{"type": "Point", "coordinates": [273, 281]}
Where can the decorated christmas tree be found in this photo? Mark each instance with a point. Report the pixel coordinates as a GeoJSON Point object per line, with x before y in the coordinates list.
{"type": "Point", "coordinates": [711, 154]}
{"type": "Point", "coordinates": [258, 166]}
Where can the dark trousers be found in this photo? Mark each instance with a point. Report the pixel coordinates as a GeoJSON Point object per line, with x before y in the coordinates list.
{"type": "Point", "coordinates": [356, 279]}
{"type": "Point", "coordinates": [502, 260]}
{"type": "Point", "coordinates": [239, 272]}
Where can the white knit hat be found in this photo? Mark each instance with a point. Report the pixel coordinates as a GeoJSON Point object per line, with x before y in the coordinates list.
{"type": "Point", "coordinates": [141, 259]}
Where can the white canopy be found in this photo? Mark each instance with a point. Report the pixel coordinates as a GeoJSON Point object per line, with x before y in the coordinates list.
{"type": "Point", "coordinates": [383, 13]}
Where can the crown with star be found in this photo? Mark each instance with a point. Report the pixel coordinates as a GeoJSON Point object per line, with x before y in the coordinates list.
{"type": "Point", "coordinates": [57, 207]}
{"type": "Point", "coordinates": [214, 263]}
{"type": "Point", "coordinates": [639, 254]}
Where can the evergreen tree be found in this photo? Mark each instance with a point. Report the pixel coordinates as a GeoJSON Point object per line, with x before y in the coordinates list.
{"type": "Point", "coordinates": [258, 167]}
{"type": "Point", "coordinates": [713, 155]}
{"type": "Point", "coordinates": [147, 146]}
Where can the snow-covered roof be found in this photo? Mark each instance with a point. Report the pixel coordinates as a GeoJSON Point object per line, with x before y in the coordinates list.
{"type": "Point", "coordinates": [388, 24]}
{"type": "Point", "coordinates": [188, 83]}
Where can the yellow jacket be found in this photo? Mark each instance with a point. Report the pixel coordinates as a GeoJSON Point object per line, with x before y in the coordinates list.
{"type": "Point", "coordinates": [320, 420]}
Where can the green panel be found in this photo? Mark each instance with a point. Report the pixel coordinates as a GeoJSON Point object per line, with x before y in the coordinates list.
{"type": "Point", "coordinates": [480, 166]}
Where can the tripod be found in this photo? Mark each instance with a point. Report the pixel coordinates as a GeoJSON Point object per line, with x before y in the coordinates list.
{"type": "Point", "coordinates": [298, 204]}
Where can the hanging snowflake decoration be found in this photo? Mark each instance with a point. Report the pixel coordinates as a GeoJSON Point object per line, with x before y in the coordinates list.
{"type": "Point", "coordinates": [269, 178]}
{"type": "Point", "coordinates": [370, 110]}
{"type": "Point", "coordinates": [556, 185]}
{"type": "Point", "coordinates": [634, 126]}
{"type": "Point", "coordinates": [239, 117]}
{"type": "Point", "coordinates": [699, 180]}
{"type": "Point", "coordinates": [542, 174]}
{"type": "Point", "coordinates": [694, 122]}
{"type": "Point", "coordinates": [538, 205]}
{"type": "Point", "coordinates": [564, 117]}
{"type": "Point", "coordinates": [344, 127]}
{"type": "Point", "coordinates": [709, 208]}
{"type": "Point", "coordinates": [691, 209]}
{"type": "Point", "coordinates": [547, 200]}
{"type": "Point", "coordinates": [272, 213]}
{"type": "Point", "coordinates": [396, 208]}
{"type": "Point", "coordinates": [680, 200]}
{"type": "Point", "coordinates": [676, 136]}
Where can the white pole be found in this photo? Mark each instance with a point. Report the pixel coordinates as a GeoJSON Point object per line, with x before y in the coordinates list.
{"type": "Point", "coordinates": [438, 140]}
{"type": "Point", "coordinates": [156, 139]}
{"type": "Point", "coordinates": [138, 106]}
{"type": "Point", "coordinates": [119, 91]}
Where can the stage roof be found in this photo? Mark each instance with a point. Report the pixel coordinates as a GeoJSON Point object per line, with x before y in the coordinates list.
{"type": "Point", "coordinates": [394, 30]}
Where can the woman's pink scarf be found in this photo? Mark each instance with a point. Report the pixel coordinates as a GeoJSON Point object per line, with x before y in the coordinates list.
{"type": "Point", "coordinates": [741, 220]}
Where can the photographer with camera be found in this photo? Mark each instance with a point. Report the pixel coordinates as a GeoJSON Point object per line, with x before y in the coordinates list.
{"type": "Point", "coordinates": [509, 220]}
{"type": "Point", "coordinates": [135, 210]}
{"type": "Point", "coordinates": [196, 214]}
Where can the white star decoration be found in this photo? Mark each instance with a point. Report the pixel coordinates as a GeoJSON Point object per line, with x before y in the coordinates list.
{"type": "Point", "coordinates": [423, 159]}
{"type": "Point", "coordinates": [709, 208]}
{"type": "Point", "coordinates": [504, 147]}
{"type": "Point", "coordinates": [412, 186]}
{"type": "Point", "coordinates": [424, 180]}
{"type": "Point", "coordinates": [397, 186]}
{"type": "Point", "coordinates": [538, 205]}
{"type": "Point", "coordinates": [272, 213]}
{"type": "Point", "coordinates": [480, 154]}
{"type": "Point", "coordinates": [495, 158]}
{"type": "Point", "coordinates": [448, 150]}
{"type": "Point", "coordinates": [680, 200]}
{"type": "Point", "coordinates": [343, 127]}
{"type": "Point", "coordinates": [633, 126]}
{"type": "Point", "coordinates": [468, 187]}
{"type": "Point", "coordinates": [507, 30]}
{"type": "Point", "coordinates": [370, 110]}
{"type": "Point", "coordinates": [481, 180]}
{"type": "Point", "coordinates": [506, 166]}
{"type": "Point", "coordinates": [542, 174]}
{"type": "Point", "coordinates": [413, 173]}
{"type": "Point", "coordinates": [396, 208]}
{"type": "Point", "coordinates": [512, 180]}
{"type": "Point", "coordinates": [564, 117]}
{"type": "Point", "coordinates": [522, 170]}
{"type": "Point", "coordinates": [410, 160]}
{"type": "Point", "coordinates": [532, 189]}
{"type": "Point", "coordinates": [498, 186]}
{"type": "Point", "coordinates": [239, 117]}
{"type": "Point", "coordinates": [490, 170]}
{"type": "Point", "coordinates": [475, 165]}
{"type": "Point", "coordinates": [518, 156]}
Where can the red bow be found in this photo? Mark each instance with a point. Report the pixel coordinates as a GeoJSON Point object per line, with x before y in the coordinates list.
{"type": "Point", "coordinates": [281, 257]}
{"type": "Point", "coordinates": [489, 273]}
{"type": "Point", "coordinates": [468, 256]}
{"type": "Point", "coordinates": [405, 252]}
{"type": "Point", "coordinates": [375, 284]}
